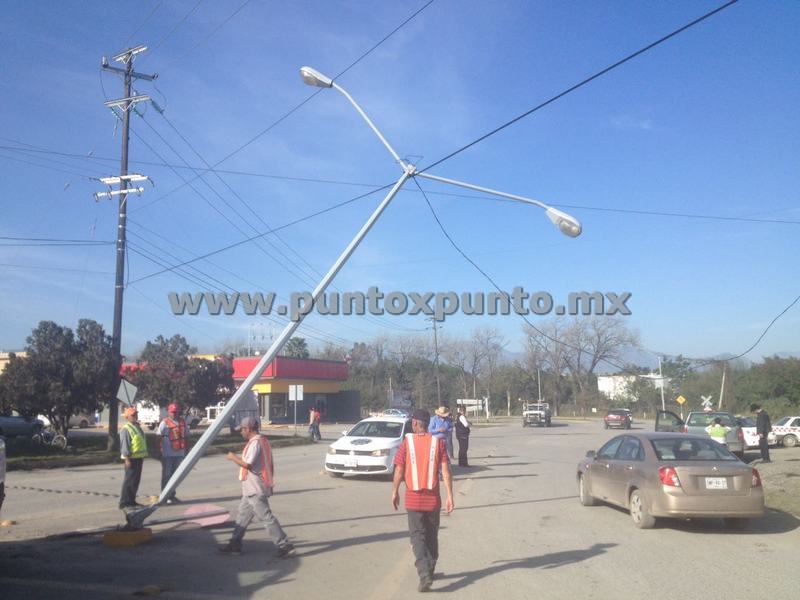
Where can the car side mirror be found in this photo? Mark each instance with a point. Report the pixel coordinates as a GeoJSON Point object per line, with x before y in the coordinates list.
{"type": "Point", "coordinates": [590, 454]}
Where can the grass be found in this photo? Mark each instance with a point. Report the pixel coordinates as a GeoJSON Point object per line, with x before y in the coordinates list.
{"type": "Point", "coordinates": [22, 454]}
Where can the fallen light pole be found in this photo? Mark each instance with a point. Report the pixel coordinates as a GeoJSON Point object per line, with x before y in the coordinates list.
{"type": "Point", "coordinates": [567, 224]}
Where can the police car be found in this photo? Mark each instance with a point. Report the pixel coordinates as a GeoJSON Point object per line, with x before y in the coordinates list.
{"type": "Point", "coordinates": [787, 431]}
{"type": "Point", "coordinates": [368, 448]}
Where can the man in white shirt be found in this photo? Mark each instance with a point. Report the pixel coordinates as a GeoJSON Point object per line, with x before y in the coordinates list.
{"type": "Point", "coordinates": [256, 472]}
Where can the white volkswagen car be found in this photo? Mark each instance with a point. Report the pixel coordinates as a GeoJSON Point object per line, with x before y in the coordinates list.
{"type": "Point", "coordinates": [368, 448]}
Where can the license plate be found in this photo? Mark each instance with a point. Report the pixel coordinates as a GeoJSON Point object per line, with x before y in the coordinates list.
{"type": "Point", "coordinates": [716, 483]}
{"type": "Point", "coordinates": [351, 461]}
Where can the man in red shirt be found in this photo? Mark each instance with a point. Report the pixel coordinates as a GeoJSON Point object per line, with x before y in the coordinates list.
{"type": "Point", "coordinates": [418, 462]}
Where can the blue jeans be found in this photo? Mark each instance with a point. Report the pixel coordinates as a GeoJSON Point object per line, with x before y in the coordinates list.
{"type": "Point", "coordinates": [169, 464]}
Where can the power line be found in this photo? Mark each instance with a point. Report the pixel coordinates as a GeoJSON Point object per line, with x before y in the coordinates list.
{"type": "Point", "coordinates": [584, 82]}
{"type": "Point", "coordinates": [32, 239]}
{"type": "Point", "coordinates": [139, 28]}
{"type": "Point", "coordinates": [273, 230]}
{"type": "Point", "coordinates": [175, 28]}
{"type": "Point", "coordinates": [66, 270]}
{"type": "Point", "coordinates": [298, 106]}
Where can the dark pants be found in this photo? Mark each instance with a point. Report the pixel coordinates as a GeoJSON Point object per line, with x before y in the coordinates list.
{"type": "Point", "coordinates": [463, 446]}
{"type": "Point", "coordinates": [424, 530]}
{"type": "Point", "coordinates": [130, 485]}
{"type": "Point", "coordinates": [763, 445]}
{"type": "Point", "coordinates": [169, 464]}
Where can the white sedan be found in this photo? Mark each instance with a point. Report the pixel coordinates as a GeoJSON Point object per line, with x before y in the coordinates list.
{"type": "Point", "coordinates": [368, 448]}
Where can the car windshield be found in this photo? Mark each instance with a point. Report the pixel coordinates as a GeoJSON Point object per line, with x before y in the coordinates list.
{"type": "Point", "coordinates": [705, 419]}
{"type": "Point", "coordinates": [679, 448]}
{"type": "Point", "coordinates": [783, 421]}
{"type": "Point", "coordinates": [619, 413]}
{"type": "Point", "coordinates": [380, 429]}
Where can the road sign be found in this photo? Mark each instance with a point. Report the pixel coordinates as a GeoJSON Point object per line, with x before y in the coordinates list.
{"type": "Point", "coordinates": [708, 405]}
{"type": "Point", "coordinates": [295, 393]}
{"type": "Point", "coordinates": [680, 400]}
{"type": "Point", "coordinates": [126, 392]}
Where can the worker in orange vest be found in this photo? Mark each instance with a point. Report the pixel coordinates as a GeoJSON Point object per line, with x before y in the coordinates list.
{"type": "Point", "coordinates": [173, 431]}
{"type": "Point", "coordinates": [418, 462]}
{"type": "Point", "coordinates": [257, 474]}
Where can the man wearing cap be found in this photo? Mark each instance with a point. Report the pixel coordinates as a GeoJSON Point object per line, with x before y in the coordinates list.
{"type": "Point", "coordinates": [441, 426]}
{"type": "Point", "coordinates": [133, 448]}
{"type": "Point", "coordinates": [173, 431]}
{"type": "Point", "coordinates": [256, 472]}
{"type": "Point", "coordinates": [418, 462]}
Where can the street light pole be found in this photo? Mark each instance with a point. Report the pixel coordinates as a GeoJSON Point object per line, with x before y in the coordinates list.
{"type": "Point", "coordinates": [567, 224]}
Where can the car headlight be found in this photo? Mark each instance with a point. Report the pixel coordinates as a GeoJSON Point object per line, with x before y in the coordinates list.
{"type": "Point", "coordinates": [331, 449]}
{"type": "Point", "coordinates": [384, 452]}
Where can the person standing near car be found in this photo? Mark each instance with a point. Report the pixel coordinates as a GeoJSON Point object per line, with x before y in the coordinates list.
{"type": "Point", "coordinates": [419, 461]}
{"type": "Point", "coordinates": [441, 426]}
{"type": "Point", "coordinates": [462, 435]}
{"type": "Point", "coordinates": [174, 432]}
{"type": "Point", "coordinates": [763, 427]}
{"type": "Point", "coordinates": [257, 474]}
{"type": "Point", "coordinates": [718, 432]}
{"type": "Point", "coordinates": [133, 449]}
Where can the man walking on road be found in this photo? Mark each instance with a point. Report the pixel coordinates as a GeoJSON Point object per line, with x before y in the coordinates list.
{"type": "Point", "coordinates": [763, 427]}
{"type": "Point", "coordinates": [418, 462]}
{"type": "Point", "coordinates": [257, 474]}
{"type": "Point", "coordinates": [173, 431]}
{"type": "Point", "coordinates": [133, 448]}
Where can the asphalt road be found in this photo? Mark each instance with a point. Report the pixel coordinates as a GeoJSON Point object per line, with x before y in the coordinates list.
{"type": "Point", "coordinates": [517, 531]}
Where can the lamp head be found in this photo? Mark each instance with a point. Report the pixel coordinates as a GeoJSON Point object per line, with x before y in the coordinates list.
{"type": "Point", "coordinates": [315, 78]}
{"type": "Point", "coordinates": [568, 224]}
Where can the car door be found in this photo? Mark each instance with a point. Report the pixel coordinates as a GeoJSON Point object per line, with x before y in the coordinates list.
{"type": "Point", "coordinates": [600, 469]}
{"type": "Point", "coordinates": [624, 468]}
{"type": "Point", "coordinates": [668, 422]}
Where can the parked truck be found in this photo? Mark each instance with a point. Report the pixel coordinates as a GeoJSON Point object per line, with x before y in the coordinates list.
{"type": "Point", "coordinates": [536, 413]}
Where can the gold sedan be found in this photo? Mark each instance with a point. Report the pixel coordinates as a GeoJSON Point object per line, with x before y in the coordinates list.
{"type": "Point", "coordinates": [671, 475]}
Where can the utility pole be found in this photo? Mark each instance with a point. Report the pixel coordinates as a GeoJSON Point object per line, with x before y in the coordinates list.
{"type": "Point", "coordinates": [722, 387]}
{"type": "Point", "coordinates": [124, 104]}
{"type": "Point", "coordinates": [661, 379]}
{"type": "Point", "coordinates": [436, 361]}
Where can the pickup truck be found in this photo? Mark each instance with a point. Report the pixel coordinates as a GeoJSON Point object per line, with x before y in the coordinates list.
{"type": "Point", "coordinates": [537, 413]}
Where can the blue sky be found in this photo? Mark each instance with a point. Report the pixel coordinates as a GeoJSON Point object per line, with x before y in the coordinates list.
{"type": "Point", "coordinates": [705, 124]}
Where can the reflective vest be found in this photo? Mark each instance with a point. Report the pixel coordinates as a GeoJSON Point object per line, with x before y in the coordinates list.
{"type": "Point", "coordinates": [266, 461]}
{"type": "Point", "coordinates": [422, 468]}
{"type": "Point", "coordinates": [138, 442]}
{"type": "Point", "coordinates": [177, 433]}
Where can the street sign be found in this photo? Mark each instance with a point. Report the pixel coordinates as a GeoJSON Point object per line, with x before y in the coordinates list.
{"type": "Point", "coordinates": [126, 392]}
{"type": "Point", "coordinates": [708, 405]}
{"type": "Point", "coordinates": [680, 400]}
{"type": "Point", "coordinates": [295, 393]}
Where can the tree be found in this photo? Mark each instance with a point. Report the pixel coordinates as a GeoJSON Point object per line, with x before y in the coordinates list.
{"type": "Point", "coordinates": [296, 347]}
{"type": "Point", "coordinates": [165, 372]}
{"type": "Point", "coordinates": [61, 375]}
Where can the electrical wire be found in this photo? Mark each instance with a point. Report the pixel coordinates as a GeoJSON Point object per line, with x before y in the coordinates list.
{"type": "Point", "coordinates": [583, 82]}
{"type": "Point", "coordinates": [175, 28]}
{"type": "Point", "coordinates": [60, 269]}
{"type": "Point", "coordinates": [297, 107]}
{"type": "Point", "coordinates": [139, 28]}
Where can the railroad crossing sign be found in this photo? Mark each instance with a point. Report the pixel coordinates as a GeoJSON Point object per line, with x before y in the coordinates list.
{"type": "Point", "coordinates": [680, 400]}
{"type": "Point", "coordinates": [708, 405]}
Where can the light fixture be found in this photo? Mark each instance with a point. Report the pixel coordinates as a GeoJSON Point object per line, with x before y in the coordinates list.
{"type": "Point", "coordinates": [568, 224]}
{"type": "Point", "coordinates": [314, 78]}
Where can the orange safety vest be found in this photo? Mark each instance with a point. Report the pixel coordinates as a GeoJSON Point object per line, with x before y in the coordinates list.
{"type": "Point", "coordinates": [177, 433]}
{"type": "Point", "coordinates": [267, 467]}
{"type": "Point", "coordinates": [422, 468]}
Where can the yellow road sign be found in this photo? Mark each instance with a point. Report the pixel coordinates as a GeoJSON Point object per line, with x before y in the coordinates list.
{"type": "Point", "coordinates": [680, 400]}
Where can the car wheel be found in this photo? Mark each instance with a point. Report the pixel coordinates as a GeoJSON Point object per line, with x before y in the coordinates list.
{"type": "Point", "coordinates": [639, 513]}
{"type": "Point", "coordinates": [789, 441]}
{"type": "Point", "coordinates": [335, 475]}
{"type": "Point", "coordinates": [583, 494]}
{"type": "Point", "coordinates": [736, 523]}
{"type": "Point", "coordinates": [84, 424]}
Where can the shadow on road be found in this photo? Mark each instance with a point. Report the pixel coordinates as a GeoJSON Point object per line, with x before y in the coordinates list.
{"type": "Point", "coordinates": [545, 561]}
